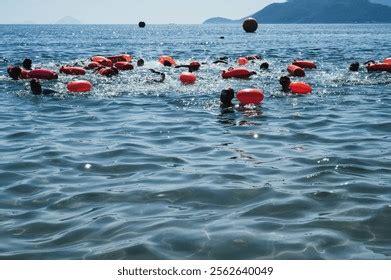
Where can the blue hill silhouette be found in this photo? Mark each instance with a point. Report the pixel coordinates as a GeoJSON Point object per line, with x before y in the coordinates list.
{"type": "Point", "coordinates": [320, 11]}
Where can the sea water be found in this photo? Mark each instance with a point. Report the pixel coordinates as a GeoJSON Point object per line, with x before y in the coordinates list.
{"type": "Point", "coordinates": [141, 170]}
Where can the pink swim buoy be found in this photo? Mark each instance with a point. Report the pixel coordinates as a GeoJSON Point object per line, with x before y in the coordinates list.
{"type": "Point", "coordinates": [187, 78]}
{"type": "Point", "coordinates": [250, 96]}
{"type": "Point", "coordinates": [79, 86]}
{"type": "Point", "coordinates": [300, 88]}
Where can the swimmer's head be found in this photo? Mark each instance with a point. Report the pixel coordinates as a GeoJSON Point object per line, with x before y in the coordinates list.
{"type": "Point", "coordinates": [354, 67]}
{"type": "Point", "coordinates": [14, 72]}
{"type": "Point", "coordinates": [226, 97]}
{"type": "Point", "coordinates": [36, 87]}
{"type": "Point", "coordinates": [265, 65]}
{"type": "Point", "coordinates": [27, 63]}
{"type": "Point", "coordinates": [140, 62]}
{"type": "Point", "coordinates": [167, 63]}
{"type": "Point", "coordinates": [194, 66]}
{"type": "Point", "coordinates": [285, 82]}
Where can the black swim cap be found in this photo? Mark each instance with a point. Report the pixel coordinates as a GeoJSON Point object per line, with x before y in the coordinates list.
{"type": "Point", "coordinates": [226, 97]}
{"type": "Point", "coordinates": [27, 63]}
{"type": "Point", "coordinates": [36, 87]}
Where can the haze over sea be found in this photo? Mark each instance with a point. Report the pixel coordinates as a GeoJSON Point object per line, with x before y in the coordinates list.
{"type": "Point", "coordinates": [137, 170]}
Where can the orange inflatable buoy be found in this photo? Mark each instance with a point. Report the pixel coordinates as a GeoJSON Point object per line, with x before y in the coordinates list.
{"type": "Point", "coordinates": [165, 58]}
{"type": "Point", "coordinates": [305, 64]}
{"type": "Point", "coordinates": [102, 61]}
{"type": "Point", "coordinates": [379, 67]}
{"type": "Point", "coordinates": [43, 74]}
{"type": "Point", "coordinates": [123, 66]}
{"type": "Point", "coordinates": [120, 58]}
{"type": "Point", "coordinates": [250, 96]}
{"type": "Point", "coordinates": [240, 73]}
{"type": "Point", "coordinates": [69, 70]}
{"type": "Point", "coordinates": [187, 78]}
{"type": "Point", "coordinates": [300, 88]}
{"type": "Point", "coordinates": [387, 60]}
{"type": "Point", "coordinates": [79, 86]}
{"type": "Point", "coordinates": [296, 71]}
{"type": "Point", "coordinates": [242, 61]}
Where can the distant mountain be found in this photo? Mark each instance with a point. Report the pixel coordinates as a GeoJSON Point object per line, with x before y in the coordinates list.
{"type": "Point", "coordinates": [220, 20]}
{"type": "Point", "coordinates": [68, 20]}
{"type": "Point", "coordinates": [320, 11]}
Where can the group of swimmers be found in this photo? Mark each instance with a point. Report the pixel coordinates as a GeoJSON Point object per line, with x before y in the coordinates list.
{"type": "Point", "coordinates": [226, 97]}
{"type": "Point", "coordinates": [17, 72]}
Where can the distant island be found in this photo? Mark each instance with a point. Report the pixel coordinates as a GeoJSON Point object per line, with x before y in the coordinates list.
{"type": "Point", "coordinates": [319, 11]}
{"type": "Point", "coordinates": [68, 20]}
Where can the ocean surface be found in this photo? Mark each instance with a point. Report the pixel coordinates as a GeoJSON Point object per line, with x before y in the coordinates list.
{"type": "Point", "coordinates": [140, 170]}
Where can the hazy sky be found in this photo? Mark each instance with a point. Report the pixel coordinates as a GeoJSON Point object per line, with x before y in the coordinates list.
{"type": "Point", "coordinates": [127, 11]}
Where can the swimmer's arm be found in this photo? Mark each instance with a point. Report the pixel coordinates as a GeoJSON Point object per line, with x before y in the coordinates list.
{"type": "Point", "coordinates": [182, 66]}
{"type": "Point", "coordinates": [47, 91]}
{"type": "Point", "coordinates": [220, 61]}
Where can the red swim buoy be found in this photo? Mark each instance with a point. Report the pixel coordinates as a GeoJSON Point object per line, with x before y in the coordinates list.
{"type": "Point", "coordinates": [102, 61]}
{"type": "Point", "coordinates": [379, 67]}
{"type": "Point", "coordinates": [120, 58]}
{"type": "Point", "coordinates": [25, 74]}
{"type": "Point", "coordinates": [165, 58]}
{"type": "Point", "coordinates": [69, 70]}
{"type": "Point", "coordinates": [300, 88]}
{"type": "Point", "coordinates": [387, 60]}
{"type": "Point", "coordinates": [240, 73]}
{"type": "Point", "coordinates": [296, 71]}
{"type": "Point", "coordinates": [187, 78]}
{"type": "Point", "coordinates": [250, 96]}
{"type": "Point", "coordinates": [305, 64]}
{"type": "Point", "coordinates": [123, 66]}
{"type": "Point", "coordinates": [43, 74]}
{"type": "Point", "coordinates": [108, 71]}
{"type": "Point", "coordinates": [242, 61]}
{"type": "Point", "coordinates": [92, 65]}
{"type": "Point", "coordinates": [79, 86]}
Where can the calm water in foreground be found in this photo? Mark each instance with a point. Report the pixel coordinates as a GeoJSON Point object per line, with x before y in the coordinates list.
{"type": "Point", "coordinates": [136, 170]}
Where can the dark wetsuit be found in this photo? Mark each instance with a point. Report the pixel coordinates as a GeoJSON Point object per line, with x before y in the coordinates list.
{"type": "Point", "coordinates": [162, 76]}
